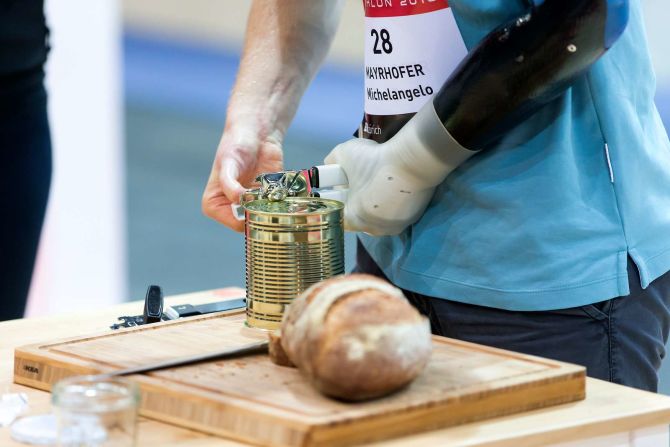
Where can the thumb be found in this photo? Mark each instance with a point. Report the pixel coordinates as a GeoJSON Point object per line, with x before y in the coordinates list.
{"type": "Point", "coordinates": [333, 158]}
{"type": "Point", "coordinates": [229, 179]}
{"type": "Point", "coordinates": [348, 151]}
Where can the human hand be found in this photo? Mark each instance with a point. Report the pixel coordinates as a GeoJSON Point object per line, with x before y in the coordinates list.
{"type": "Point", "coordinates": [285, 43]}
{"type": "Point", "coordinates": [239, 159]}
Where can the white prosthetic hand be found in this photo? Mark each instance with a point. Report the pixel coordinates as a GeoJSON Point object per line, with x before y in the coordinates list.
{"type": "Point", "coordinates": [391, 184]}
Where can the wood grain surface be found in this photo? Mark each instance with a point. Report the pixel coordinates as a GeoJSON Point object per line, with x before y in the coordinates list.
{"type": "Point", "coordinates": [253, 400]}
{"type": "Point", "coordinates": [608, 408]}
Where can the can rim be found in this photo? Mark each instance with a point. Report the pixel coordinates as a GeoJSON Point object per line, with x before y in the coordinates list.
{"type": "Point", "coordinates": [335, 204]}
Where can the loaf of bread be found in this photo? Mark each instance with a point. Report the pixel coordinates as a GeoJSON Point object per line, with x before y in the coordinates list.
{"type": "Point", "coordinates": [276, 350]}
{"type": "Point", "coordinates": [356, 337]}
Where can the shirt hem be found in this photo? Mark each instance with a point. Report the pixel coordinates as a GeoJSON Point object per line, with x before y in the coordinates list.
{"type": "Point", "coordinates": [574, 295]}
{"type": "Point", "coordinates": [515, 301]}
{"type": "Point", "coordinates": [652, 267]}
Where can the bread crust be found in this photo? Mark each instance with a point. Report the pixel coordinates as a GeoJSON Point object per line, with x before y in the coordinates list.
{"type": "Point", "coordinates": [276, 351]}
{"type": "Point", "coordinates": [356, 337]}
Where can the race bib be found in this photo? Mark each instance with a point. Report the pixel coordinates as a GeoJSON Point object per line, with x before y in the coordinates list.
{"type": "Point", "coordinates": [411, 48]}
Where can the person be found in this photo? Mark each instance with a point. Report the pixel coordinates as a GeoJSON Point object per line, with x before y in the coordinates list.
{"type": "Point", "coordinates": [25, 148]}
{"type": "Point", "coordinates": [511, 172]}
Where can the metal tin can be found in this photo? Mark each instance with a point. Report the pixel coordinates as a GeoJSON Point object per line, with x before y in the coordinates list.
{"type": "Point", "coordinates": [290, 245]}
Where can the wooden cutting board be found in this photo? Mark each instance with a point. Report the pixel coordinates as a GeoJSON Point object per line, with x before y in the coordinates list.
{"type": "Point", "coordinates": [252, 400]}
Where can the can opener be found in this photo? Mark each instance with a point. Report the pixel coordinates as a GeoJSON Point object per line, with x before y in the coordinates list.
{"type": "Point", "coordinates": [326, 181]}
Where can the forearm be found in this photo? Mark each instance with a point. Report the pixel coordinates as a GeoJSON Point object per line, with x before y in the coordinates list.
{"type": "Point", "coordinates": [524, 64]}
{"type": "Point", "coordinates": [286, 41]}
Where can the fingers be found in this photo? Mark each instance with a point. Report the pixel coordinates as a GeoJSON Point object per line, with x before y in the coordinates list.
{"type": "Point", "coordinates": [353, 152]}
{"type": "Point", "coordinates": [374, 227]}
{"type": "Point", "coordinates": [216, 204]}
{"type": "Point", "coordinates": [234, 169]}
{"type": "Point", "coordinates": [225, 216]}
{"type": "Point", "coordinates": [228, 177]}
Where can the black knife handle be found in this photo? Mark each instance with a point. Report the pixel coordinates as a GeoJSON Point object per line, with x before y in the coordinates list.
{"type": "Point", "coordinates": [153, 305]}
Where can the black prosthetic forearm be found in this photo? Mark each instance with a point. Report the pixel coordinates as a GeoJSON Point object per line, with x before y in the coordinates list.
{"type": "Point", "coordinates": [525, 64]}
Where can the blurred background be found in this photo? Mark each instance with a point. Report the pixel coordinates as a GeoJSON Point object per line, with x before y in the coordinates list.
{"type": "Point", "coordinates": [138, 92]}
{"type": "Point", "coordinates": [137, 109]}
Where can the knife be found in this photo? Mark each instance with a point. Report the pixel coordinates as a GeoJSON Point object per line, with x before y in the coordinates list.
{"type": "Point", "coordinates": [251, 348]}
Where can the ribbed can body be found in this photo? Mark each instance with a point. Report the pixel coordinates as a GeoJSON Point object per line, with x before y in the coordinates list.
{"type": "Point", "coordinates": [290, 245]}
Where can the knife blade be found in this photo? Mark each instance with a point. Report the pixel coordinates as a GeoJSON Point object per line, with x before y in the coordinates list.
{"type": "Point", "coordinates": [251, 348]}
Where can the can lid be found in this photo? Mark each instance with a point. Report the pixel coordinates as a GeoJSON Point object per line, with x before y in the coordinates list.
{"type": "Point", "coordinates": [293, 212]}
{"type": "Point", "coordinates": [294, 206]}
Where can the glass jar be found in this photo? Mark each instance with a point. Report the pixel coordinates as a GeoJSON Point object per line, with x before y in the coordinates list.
{"type": "Point", "coordinates": [96, 411]}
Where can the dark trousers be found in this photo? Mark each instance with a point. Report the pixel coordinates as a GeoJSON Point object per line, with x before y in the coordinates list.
{"type": "Point", "coordinates": [25, 175]}
{"type": "Point", "coordinates": [621, 340]}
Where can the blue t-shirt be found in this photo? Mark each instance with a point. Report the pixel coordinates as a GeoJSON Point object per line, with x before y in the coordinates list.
{"type": "Point", "coordinates": [546, 219]}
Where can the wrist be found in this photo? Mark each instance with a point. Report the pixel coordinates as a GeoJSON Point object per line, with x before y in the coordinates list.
{"type": "Point", "coordinates": [266, 113]}
{"type": "Point", "coordinates": [241, 134]}
{"type": "Point", "coordinates": [426, 150]}
{"type": "Point", "coordinates": [251, 129]}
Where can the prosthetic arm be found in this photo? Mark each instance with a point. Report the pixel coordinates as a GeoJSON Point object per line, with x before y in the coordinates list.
{"type": "Point", "coordinates": [515, 70]}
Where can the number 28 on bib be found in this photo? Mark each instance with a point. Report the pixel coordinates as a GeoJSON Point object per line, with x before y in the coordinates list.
{"type": "Point", "coordinates": [411, 48]}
